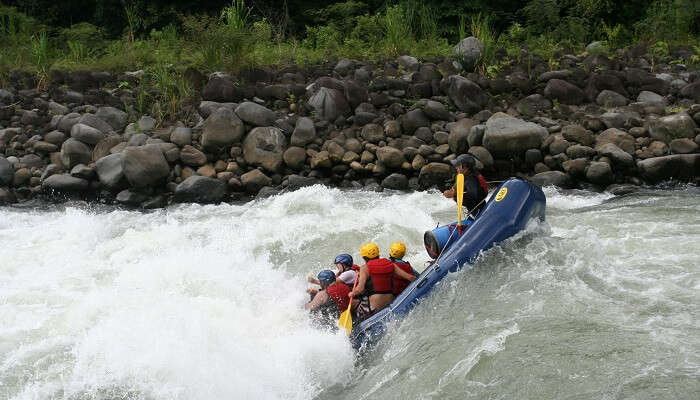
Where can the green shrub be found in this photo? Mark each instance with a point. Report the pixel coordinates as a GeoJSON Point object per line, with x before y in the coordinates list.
{"type": "Point", "coordinates": [482, 29]}
{"type": "Point", "coordinates": [668, 20]}
{"type": "Point", "coordinates": [398, 31]}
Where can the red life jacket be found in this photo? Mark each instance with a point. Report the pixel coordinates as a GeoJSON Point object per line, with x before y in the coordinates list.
{"type": "Point", "coordinates": [483, 184]}
{"type": "Point", "coordinates": [399, 282]}
{"type": "Point", "coordinates": [381, 271]}
{"type": "Point", "coordinates": [338, 292]}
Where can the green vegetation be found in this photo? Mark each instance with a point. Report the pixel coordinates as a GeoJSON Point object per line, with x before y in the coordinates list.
{"type": "Point", "coordinates": [165, 37]}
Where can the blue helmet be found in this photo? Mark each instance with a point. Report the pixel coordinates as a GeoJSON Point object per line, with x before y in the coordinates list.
{"type": "Point", "coordinates": [345, 259]}
{"type": "Point", "coordinates": [326, 276]}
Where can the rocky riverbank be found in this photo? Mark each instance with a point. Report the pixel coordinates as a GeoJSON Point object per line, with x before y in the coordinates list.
{"type": "Point", "coordinates": [596, 121]}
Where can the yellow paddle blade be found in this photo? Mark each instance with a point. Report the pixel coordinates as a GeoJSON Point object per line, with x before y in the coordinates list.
{"type": "Point", "coordinates": [345, 320]}
{"type": "Point", "coordinates": [460, 197]}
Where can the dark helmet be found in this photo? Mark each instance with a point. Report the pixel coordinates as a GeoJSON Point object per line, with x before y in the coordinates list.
{"type": "Point", "coordinates": [345, 259]}
{"type": "Point", "coordinates": [465, 160]}
{"type": "Point", "coordinates": [326, 276]}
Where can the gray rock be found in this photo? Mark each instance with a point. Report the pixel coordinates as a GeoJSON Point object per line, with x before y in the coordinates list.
{"type": "Point", "coordinates": [146, 123]}
{"type": "Point", "coordinates": [458, 139]}
{"type": "Point", "coordinates": [221, 89]}
{"type": "Point", "coordinates": [192, 157]}
{"type": "Point", "coordinates": [465, 94]}
{"type": "Point", "coordinates": [343, 67]}
{"type": "Point", "coordinates": [7, 197]}
{"type": "Point", "coordinates": [264, 147]}
{"type": "Point", "coordinates": [304, 132]}
{"type": "Point", "coordinates": [683, 146]}
{"type": "Point", "coordinates": [469, 51]}
{"type": "Point", "coordinates": [208, 107]}
{"type": "Point", "coordinates": [533, 156]}
{"type": "Point", "coordinates": [564, 92]}
{"type": "Point", "coordinates": [436, 110]}
{"type": "Point", "coordinates": [138, 139]}
{"type": "Point", "coordinates": [553, 178]}
{"type": "Point", "coordinates": [57, 108]}
{"type": "Point", "coordinates": [145, 165]}
{"type": "Point", "coordinates": [31, 161]}
{"type": "Point", "coordinates": [599, 173]}
{"type": "Point", "coordinates": [67, 121]}
{"type": "Point", "coordinates": [476, 135]}
{"type": "Point", "coordinates": [55, 137]}
{"type": "Point", "coordinates": [255, 114]}
{"type": "Point", "coordinates": [621, 189]}
{"type": "Point", "coordinates": [392, 158]}
{"type": "Point", "coordinates": [595, 47]}
{"type": "Point", "coordinates": [295, 157]}
{"type": "Point", "coordinates": [64, 183]}
{"type": "Point", "coordinates": [434, 174]}
{"type": "Point", "coordinates": [408, 62]}
{"type": "Point", "coordinates": [671, 127]}
{"type": "Point", "coordinates": [613, 120]}
{"type": "Point", "coordinates": [44, 147]}
{"type": "Point", "coordinates": [7, 172]}
{"type": "Point", "coordinates": [532, 104]}
{"type": "Point", "coordinates": [578, 134]}
{"type": "Point", "coordinates": [618, 156]}
{"type": "Point", "coordinates": [255, 180]}
{"type": "Point", "coordinates": [104, 146]}
{"type": "Point", "coordinates": [646, 96]}
{"type": "Point", "coordinates": [608, 98]}
{"type": "Point", "coordinates": [395, 181]}
{"type": "Point", "coordinates": [115, 117]}
{"type": "Point", "coordinates": [295, 182]}
{"type": "Point", "coordinates": [83, 171]}
{"type": "Point", "coordinates": [482, 155]}
{"type": "Point", "coordinates": [200, 189]}
{"type": "Point", "coordinates": [372, 133]}
{"type": "Point", "coordinates": [92, 121]}
{"type": "Point", "coordinates": [86, 134]}
{"type": "Point", "coordinates": [413, 120]}
{"type": "Point", "coordinates": [678, 166]}
{"type": "Point", "coordinates": [508, 135]}
{"type": "Point", "coordinates": [110, 171]}
{"type": "Point", "coordinates": [691, 91]}
{"type": "Point", "coordinates": [222, 129]}
{"type": "Point", "coordinates": [6, 97]}
{"type": "Point", "coordinates": [74, 152]}
{"type": "Point", "coordinates": [181, 136]}
{"type": "Point", "coordinates": [580, 151]}
{"type": "Point", "coordinates": [620, 138]}
{"type": "Point", "coordinates": [329, 104]}
{"type": "Point", "coordinates": [129, 198]}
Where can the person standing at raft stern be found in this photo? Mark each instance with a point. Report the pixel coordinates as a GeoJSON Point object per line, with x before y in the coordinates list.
{"type": "Point", "coordinates": [396, 253]}
{"type": "Point", "coordinates": [475, 187]}
{"type": "Point", "coordinates": [380, 272]}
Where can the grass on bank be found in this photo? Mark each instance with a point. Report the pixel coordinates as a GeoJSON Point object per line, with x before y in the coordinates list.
{"type": "Point", "coordinates": [235, 38]}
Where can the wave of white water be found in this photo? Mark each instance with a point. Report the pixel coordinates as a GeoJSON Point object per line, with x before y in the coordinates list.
{"type": "Point", "coordinates": [202, 302]}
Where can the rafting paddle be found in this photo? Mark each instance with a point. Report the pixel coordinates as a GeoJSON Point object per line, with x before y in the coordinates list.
{"type": "Point", "coordinates": [460, 197]}
{"type": "Point", "coordinates": [345, 320]}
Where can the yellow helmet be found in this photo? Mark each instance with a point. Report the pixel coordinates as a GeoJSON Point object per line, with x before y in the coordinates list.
{"type": "Point", "coordinates": [397, 250]}
{"type": "Point", "coordinates": [369, 250]}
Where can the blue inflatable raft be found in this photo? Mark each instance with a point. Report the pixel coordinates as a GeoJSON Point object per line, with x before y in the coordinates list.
{"type": "Point", "coordinates": [514, 203]}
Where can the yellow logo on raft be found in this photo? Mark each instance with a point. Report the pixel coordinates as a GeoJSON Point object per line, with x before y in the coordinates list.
{"type": "Point", "coordinates": [501, 194]}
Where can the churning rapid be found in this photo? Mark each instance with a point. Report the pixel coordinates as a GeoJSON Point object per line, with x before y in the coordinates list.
{"type": "Point", "coordinates": [204, 302]}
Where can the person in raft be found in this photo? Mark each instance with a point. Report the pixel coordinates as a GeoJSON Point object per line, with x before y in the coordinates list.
{"type": "Point", "coordinates": [396, 253]}
{"type": "Point", "coordinates": [346, 271]}
{"type": "Point", "coordinates": [375, 288]}
{"type": "Point", "coordinates": [475, 187]}
{"type": "Point", "coordinates": [331, 300]}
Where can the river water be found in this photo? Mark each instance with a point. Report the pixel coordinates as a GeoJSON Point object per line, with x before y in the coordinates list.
{"type": "Point", "coordinates": [602, 301]}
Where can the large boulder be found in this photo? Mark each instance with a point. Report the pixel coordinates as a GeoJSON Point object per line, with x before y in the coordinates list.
{"type": "Point", "coordinates": [221, 90]}
{"type": "Point", "coordinates": [532, 104]}
{"type": "Point", "coordinates": [181, 136]}
{"type": "Point", "coordinates": [683, 146]}
{"type": "Point", "coordinates": [115, 117]}
{"type": "Point", "coordinates": [74, 152]}
{"type": "Point", "coordinates": [469, 51]}
{"type": "Point", "coordinates": [691, 91]}
{"type": "Point", "coordinates": [458, 139]}
{"type": "Point", "coordinates": [671, 127]}
{"type": "Point", "coordinates": [7, 172]}
{"type": "Point", "coordinates": [508, 135]}
{"type": "Point", "coordinates": [372, 133]}
{"type": "Point", "coordinates": [104, 146]}
{"type": "Point", "coordinates": [600, 173]}
{"type": "Point", "coordinates": [221, 129]}
{"type": "Point", "coordinates": [390, 157]}
{"type": "Point", "coordinates": [564, 92]}
{"type": "Point", "coordinates": [304, 132]}
{"type": "Point", "coordinates": [329, 104]}
{"type": "Point", "coordinates": [97, 123]}
{"type": "Point", "coordinates": [255, 114]}
{"type": "Point", "coordinates": [192, 157]}
{"type": "Point", "coordinates": [619, 138]}
{"type": "Point", "coordinates": [110, 171]}
{"type": "Point", "coordinates": [434, 174]}
{"type": "Point", "coordinates": [64, 183]}
{"type": "Point", "coordinates": [86, 134]}
{"type": "Point", "coordinates": [678, 166]}
{"type": "Point", "coordinates": [465, 94]}
{"type": "Point", "coordinates": [608, 98]}
{"type": "Point", "coordinates": [145, 165]}
{"type": "Point", "coordinates": [553, 178]}
{"type": "Point", "coordinates": [619, 157]}
{"type": "Point", "coordinates": [295, 157]}
{"type": "Point", "coordinates": [200, 189]}
{"type": "Point", "coordinates": [436, 110]}
{"type": "Point", "coordinates": [395, 181]}
{"type": "Point", "coordinates": [264, 147]}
